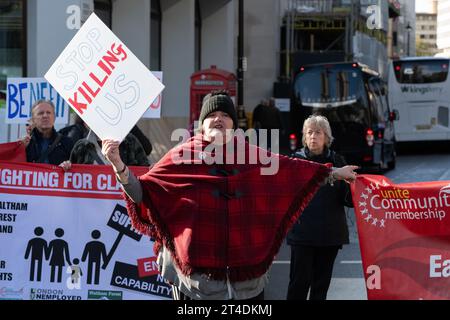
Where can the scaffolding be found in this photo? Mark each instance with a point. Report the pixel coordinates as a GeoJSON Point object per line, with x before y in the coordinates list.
{"type": "Point", "coordinates": [317, 31]}
{"type": "Point", "coordinates": [317, 26]}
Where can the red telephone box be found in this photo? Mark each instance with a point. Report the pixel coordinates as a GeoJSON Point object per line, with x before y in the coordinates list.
{"type": "Point", "coordinates": [205, 81]}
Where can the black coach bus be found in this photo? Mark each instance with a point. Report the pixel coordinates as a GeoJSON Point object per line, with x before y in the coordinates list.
{"type": "Point", "coordinates": [354, 100]}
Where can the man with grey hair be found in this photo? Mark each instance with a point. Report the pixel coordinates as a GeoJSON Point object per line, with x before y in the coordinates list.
{"type": "Point", "coordinates": [43, 143]}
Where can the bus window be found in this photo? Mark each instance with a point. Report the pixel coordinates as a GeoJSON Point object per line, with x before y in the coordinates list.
{"type": "Point", "coordinates": [355, 108]}
{"type": "Point", "coordinates": [379, 100]}
{"type": "Point", "coordinates": [317, 85]}
{"type": "Point", "coordinates": [374, 103]}
{"type": "Point", "coordinates": [384, 100]}
{"type": "Point", "coordinates": [421, 71]}
{"type": "Point", "coordinates": [419, 91]}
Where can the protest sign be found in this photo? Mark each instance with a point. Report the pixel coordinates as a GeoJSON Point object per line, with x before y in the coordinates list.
{"type": "Point", "coordinates": [103, 81]}
{"type": "Point", "coordinates": [23, 92]}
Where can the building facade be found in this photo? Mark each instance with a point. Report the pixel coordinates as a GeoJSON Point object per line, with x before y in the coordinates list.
{"type": "Point", "coordinates": [426, 34]}
{"type": "Point", "coordinates": [443, 27]}
{"type": "Point", "coordinates": [426, 31]}
{"type": "Point", "coordinates": [178, 37]}
{"type": "Point", "coordinates": [406, 28]}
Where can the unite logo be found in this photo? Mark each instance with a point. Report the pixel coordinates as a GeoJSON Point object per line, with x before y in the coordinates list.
{"type": "Point", "coordinates": [366, 197]}
{"type": "Point", "coordinates": [380, 202]}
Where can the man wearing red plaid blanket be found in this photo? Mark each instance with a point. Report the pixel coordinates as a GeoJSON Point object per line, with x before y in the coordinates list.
{"type": "Point", "coordinates": [218, 224]}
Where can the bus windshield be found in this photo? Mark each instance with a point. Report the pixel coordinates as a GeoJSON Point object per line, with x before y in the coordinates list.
{"type": "Point", "coordinates": [329, 84]}
{"type": "Point", "coordinates": [421, 71]}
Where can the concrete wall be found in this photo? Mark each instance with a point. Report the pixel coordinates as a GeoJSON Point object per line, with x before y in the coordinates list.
{"type": "Point", "coordinates": [218, 39]}
{"type": "Point", "coordinates": [131, 24]}
{"type": "Point", "coordinates": [178, 59]}
{"type": "Point", "coordinates": [261, 38]}
{"type": "Point", "coordinates": [47, 33]}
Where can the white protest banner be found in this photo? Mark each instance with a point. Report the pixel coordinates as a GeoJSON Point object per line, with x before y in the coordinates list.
{"type": "Point", "coordinates": [103, 81]}
{"type": "Point", "coordinates": [68, 236]}
{"type": "Point", "coordinates": [23, 92]}
{"type": "Point", "coordinates": [154, 111]}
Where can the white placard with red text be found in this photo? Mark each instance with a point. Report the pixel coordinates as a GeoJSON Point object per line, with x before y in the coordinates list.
{"type": "Point", "coordinates": [103, 81]}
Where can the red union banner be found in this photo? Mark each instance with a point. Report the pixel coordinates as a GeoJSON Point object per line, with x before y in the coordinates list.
{"type": "Point", "coordinates": [13, 151]}
{"type": "Point", "coordinates": [404, 236]}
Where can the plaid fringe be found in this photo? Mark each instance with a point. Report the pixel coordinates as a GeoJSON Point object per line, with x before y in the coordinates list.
{"type": "Point", "coordinates": [157, 229]}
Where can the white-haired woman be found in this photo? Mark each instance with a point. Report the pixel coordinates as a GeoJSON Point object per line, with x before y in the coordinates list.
{"type": "Point", "coordinates": [321, 230]}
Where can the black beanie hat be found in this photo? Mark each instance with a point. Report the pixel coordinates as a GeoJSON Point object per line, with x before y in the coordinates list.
{"type": "Point", "coordinates": [218, 101]}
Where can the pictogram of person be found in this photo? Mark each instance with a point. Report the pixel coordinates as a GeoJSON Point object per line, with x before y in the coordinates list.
{"type": "Point", "coordinates": [58, 251]}
{"type": "Point", "coordinates": [37, 247]}
{"type": "Point", "coordinates": [95, 252]}
{"type": "Point", "coordinates": [74, 281]}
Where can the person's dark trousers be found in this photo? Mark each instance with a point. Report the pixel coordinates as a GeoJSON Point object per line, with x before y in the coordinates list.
{"type": "Point", "coordinates": [311, 268]}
